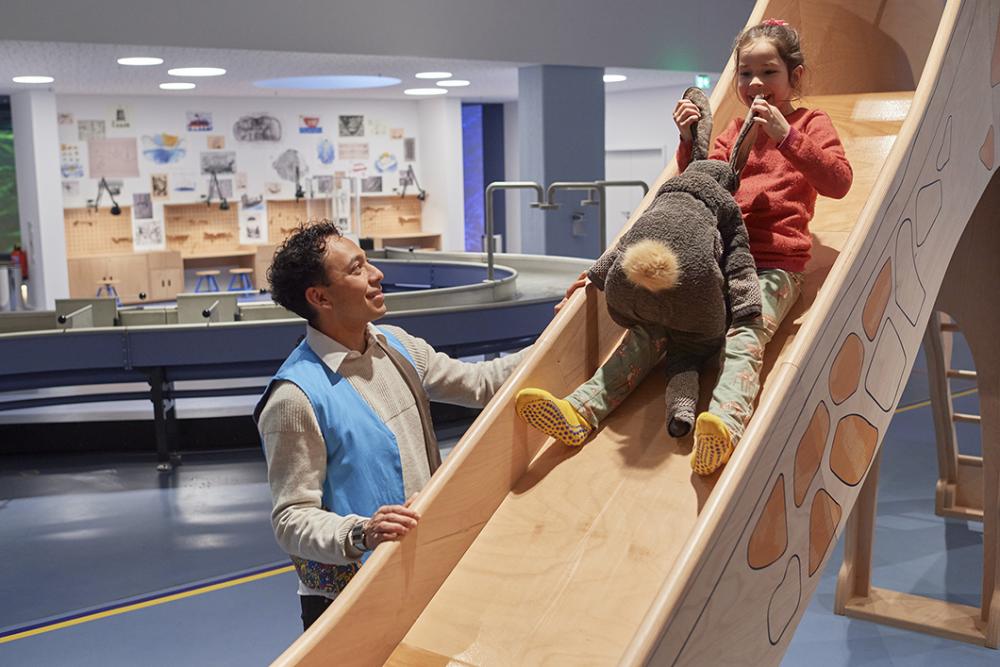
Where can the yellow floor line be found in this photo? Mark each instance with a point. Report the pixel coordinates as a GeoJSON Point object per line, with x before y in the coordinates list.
{"type": "Point", "coordinates": [255, 577]}
{"type": "Point", "coordinates": [148, 603]}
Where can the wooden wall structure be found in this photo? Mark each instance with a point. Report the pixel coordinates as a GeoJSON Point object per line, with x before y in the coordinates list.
{"type": "Point", "coordinates": [615, 553]}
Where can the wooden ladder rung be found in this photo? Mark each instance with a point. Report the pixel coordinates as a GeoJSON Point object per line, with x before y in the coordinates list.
{"type": "Point", "coordinates": [962, 375]}
{"type": "Point", "coordinates": [949, 326]}
{"type": "Point", "coordinates": [961, 417]}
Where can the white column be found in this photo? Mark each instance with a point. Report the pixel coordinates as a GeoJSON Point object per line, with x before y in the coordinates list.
{"type": "Point", "coordinates": [512, 165]}
{"type": "Point", "coordinates": [439, 169]}
{"type": "Point", "coordinates": [39, 194]}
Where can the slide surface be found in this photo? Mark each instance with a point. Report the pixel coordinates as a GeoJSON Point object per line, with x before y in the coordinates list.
{"type": "Point", "coordinates": [616, 553]}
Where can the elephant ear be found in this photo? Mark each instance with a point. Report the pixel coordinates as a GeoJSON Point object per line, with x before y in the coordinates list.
{"type": "Point", "coordinates": [744, 144]}
{"type": "Point", "coordinates": [701, 132]}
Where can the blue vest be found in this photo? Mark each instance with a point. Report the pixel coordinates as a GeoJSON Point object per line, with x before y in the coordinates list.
{"type": "Point", "coordinates": [363, 470]}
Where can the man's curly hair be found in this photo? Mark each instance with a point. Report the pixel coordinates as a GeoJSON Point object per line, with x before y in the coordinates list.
{"type": "Point", "coordinates": [298, 265]}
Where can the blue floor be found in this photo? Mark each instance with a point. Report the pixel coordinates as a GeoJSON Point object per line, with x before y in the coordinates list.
{"type": "Point", "coordinates": [80, 535]}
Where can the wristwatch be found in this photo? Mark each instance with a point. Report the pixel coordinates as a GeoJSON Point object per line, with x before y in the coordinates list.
{"type": "Point", "coordinates": [357, 536]}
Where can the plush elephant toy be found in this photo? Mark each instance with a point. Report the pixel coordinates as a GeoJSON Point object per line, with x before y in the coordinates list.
{"type": "Point", "coordinates": [684, 269]}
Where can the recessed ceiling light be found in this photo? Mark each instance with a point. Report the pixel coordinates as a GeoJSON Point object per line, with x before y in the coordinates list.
{"type": "Point", "coordinates": [433, 75]}
{"type": "Point", "coordinates": [453, 83]}
{"type": "Point", "coordinates": [425, 91]}
{"type": "Point", "coordinates": [140, 61]}
{"type": "Point", "coordinates": [196, 71]}
{"type": "Point", "coordinates": [33, 78]}
{"type": "Point", "coordinates": [614, 78]}
{"type": "Point", "coordinates": [331, 82]}
{"type": "Point", "coordinates": [177, 85]}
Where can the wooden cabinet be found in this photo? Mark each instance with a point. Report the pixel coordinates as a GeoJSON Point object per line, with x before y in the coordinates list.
{"type": "Point", "coordinates": [159, 275]}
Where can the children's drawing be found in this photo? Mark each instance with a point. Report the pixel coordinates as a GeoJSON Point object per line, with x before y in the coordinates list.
{"type": "Point", "coordinates": [218, 162]}
{"type": "Point", "coordinates": [257, 127]}
{"type": "Point", "coordinates": [325, 152]}
{"type": "Point", "coordinates": [185, 183]}
{"type": "Point", "coordinates": [90, 129]}
{"type": "Point", "coordinates": [142, 206]}
{"type": "Point", "coordinates": [120, 117]}
{"type": "Point", "coordinates": [113, 157]}
{"type": "Point", "coordinates": [241, 180]}
{"type": "Point", "coordinates": [215, 142]}
{"type": "Point", "coordinates": [324, 184]}
{"type": "Point", "coordinates": [386, 163]}
{"type": "Point", "coordinates": [351, 126]}
{"type": "Point", "coordinates": [253, 225]}
{"type": "Point", "coordinates": [371, 184]}
{"type": "Point", "coordinates": [199, 121]}
{"type": "Point", "coordinates": [148, 235]}
{"type": "Point", "coordinates": [163, 148]}
{"type": "Point", "coordinates": [252, 203]}
{"type": "Point", "coordinates": [375, 127]}
{"type": "Point", "coordinates": [225, 188]}
{"type": "Point", "coordinates": [65, 119]}
{"type": "Point", "coordinates": [273, 188]}
{"type": "Point", "coordinates": [290, 166]}
{"type": "Point", "coordinates": [353, 151]}
{"type": "Point", "coordinates": [409, 149]}
{"type": "Point", "coordinates": [309, 125]}
{"type": "Point", "coordinates": [396, 133]}
{"type": "Point", "coordinates": [69, 161]}
{"type": "Point", "coordinates": [158, 186]}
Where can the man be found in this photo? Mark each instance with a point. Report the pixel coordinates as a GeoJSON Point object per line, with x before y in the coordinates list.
{"type": "Point", "coordinates": [345, 422]}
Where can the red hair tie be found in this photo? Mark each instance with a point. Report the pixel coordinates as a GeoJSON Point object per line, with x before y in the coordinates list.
{"type": "Point", "coordinates": [774, 22]}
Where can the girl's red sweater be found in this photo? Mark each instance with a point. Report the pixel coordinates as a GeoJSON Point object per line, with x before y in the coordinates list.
{"type": "Point", "coordinates": [779, 184]}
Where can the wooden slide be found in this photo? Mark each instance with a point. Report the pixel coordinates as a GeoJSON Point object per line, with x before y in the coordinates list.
{"type": "Point", "coordinates": [533, 553]}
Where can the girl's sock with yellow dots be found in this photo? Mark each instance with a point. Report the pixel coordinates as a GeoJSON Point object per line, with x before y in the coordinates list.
{"type": "Point", "coordinates": [712, 444]}
{"type": "Point", "coordinates": [554, 417]}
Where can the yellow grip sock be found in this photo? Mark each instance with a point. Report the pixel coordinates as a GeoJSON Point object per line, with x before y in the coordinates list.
{"type": "Point", "coordinates": [712, 444]}
{"type": "Point", "coordinates": [554, 417]}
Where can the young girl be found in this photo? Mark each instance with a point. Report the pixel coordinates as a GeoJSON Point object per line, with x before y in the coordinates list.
{"type": "Point", "coordinates": [797, 155]}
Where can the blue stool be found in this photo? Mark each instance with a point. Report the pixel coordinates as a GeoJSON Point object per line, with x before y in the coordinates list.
{"type": "Point", "coordinates": [239, 280]}
{"type": "Point", "coordinates": [107, 287]}
{"type": "Point", "coordinates": [208, 279]}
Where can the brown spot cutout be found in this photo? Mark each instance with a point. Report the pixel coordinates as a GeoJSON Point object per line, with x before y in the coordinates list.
{"type": "Point", "coordinates": [824, 517]}
{"type": "Point", "coordinates": [871, 316]}
{"type": "Point", "coordinates": [770, 536]}
{"type": "Point", "coordinates": [810, 452]}
{"type": "Point", "coordinates": [853, 448]}
{"type": "Point", "coordinates": [846, 370]}
{"type": "Point", "coordinates": [986, 151]}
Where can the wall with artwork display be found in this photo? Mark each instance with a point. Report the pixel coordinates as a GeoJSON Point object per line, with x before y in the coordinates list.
{"type": "Point", "coordinates": [156, 151]}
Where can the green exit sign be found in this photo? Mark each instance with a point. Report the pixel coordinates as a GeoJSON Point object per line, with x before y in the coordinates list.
{"type": "Point", "coordinates": [703, 81]}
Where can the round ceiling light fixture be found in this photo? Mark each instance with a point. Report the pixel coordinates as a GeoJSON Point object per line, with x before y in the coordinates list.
{"type": "Point", "coordinates": [140, 61]}
{"type": "Point", "coordinates": [424, 91]}
{"type": "Point", "coordinates": [614, 78]}
{"type": "Point", "coordinates": [433, 75]}
{"type": "Point", "coordinates": [33, 78]}
{"type": "Point", "coordinates": [177, 85]}
{"type": "Point", "coordinates": [327, 82]}
{"type": "Point", "coordinates": [196, 71]}
{"type": "Point", "coordinates": [453, 83]}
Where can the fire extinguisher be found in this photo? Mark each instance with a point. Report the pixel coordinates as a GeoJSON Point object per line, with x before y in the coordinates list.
{"type": "Point", "coordinates": [21, 258]}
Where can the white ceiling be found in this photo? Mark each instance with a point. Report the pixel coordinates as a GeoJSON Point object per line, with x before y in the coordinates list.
{"type": "Point", "coordinates": [91, 69]}
{"type": "Point", "coordinates": [648, 34]}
